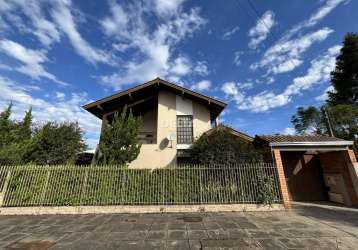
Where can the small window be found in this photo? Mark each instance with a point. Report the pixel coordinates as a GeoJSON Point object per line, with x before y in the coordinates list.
{"type": "Point", "coordinates": [183, 157]}
{"type": "Point", "coordinates": [184, 129]}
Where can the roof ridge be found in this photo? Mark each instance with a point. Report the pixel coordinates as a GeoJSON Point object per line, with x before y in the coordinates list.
{"type": "Point", "coordinates": [153, 81]}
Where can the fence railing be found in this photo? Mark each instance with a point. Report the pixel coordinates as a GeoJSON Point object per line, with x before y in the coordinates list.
{"type": "Point", "coordinates": [104, 185]}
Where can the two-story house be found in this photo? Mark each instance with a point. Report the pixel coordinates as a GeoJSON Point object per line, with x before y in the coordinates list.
{"type": "Point", "coordinates": [173, 117]}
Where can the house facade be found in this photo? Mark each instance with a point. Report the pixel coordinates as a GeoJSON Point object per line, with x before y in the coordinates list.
{"type": "Point", "coordinates": [173, 117]}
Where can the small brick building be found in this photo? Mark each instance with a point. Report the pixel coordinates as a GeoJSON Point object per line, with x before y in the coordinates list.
{"type": "Point", "coordinates": [313, 168]}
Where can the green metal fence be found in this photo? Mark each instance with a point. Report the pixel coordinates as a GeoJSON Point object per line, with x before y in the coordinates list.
{"type": "Point", "coordinates": [113, 185]}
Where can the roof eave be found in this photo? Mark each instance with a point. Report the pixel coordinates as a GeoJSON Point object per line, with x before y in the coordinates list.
{"type": "Point", "coordinates": [158, 81]}
{"type": "Point", "coordinates": [325, 143]}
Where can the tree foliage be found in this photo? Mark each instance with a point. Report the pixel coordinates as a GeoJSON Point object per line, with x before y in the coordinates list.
{"type": "Point", "coordinates": [309, 120]}
{"type": "Point", "coordinates": [56, 143]}
{"type": "Point", "coordinates": [6, 127]}
{"type": "Point", "coordinates": [222, 147]}
{"type": "Point", "coordinates": [51, 143]}
{"type": "Point", "coordinates": [119, 143]}
{"type": "Point", "coordinates": [345, 76]}
{"type": "Point", "coordinates": [343, 118]}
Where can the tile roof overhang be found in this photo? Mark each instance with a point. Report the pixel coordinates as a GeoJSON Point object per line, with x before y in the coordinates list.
{"type": "Point", "coordinates": [309, 142]}
{"type": "Point", "coordinates": [233, 131]}
{"type": "Point", "coordinates": [145, 93]}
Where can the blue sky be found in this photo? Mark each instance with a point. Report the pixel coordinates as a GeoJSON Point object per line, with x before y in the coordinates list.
{"type": "Point", "coordinates": [265, 58]}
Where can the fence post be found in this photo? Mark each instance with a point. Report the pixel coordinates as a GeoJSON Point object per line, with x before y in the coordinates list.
{"type": "Point", "coordinates": [201, 187]}
{"type": "Point", "coordinates": [84, 185]}
{"type": "Point", "coordinates": [43, 193]}
{"type": "Point", "coordinates": [3, 193]}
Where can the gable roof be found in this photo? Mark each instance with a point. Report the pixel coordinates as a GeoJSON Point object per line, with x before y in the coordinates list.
{"type": "Point", "coordinates": [302, 140]}
{"type": "Point", "coordinates": [143, 92]}
{"type": "Point", "coordinates": [233, 131]}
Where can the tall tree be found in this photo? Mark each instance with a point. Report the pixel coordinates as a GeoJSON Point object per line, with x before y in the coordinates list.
{"type": "Point", "coordinates": [119, 143]}
{"type": "Point", "coordinates": [343, 118]}
{"type": "Point", "coordinates": [15, 137]}
{"type": "Point", "coordinates": [23, 128]}
{"type": "Point", "coordinates": [345, 76]}
{"type": "Point", "coordinates": [6, 126]}
{"type": "Point", "coordinates": [309, 120]}
{"type": "Point", "coordinates": [56, 143]}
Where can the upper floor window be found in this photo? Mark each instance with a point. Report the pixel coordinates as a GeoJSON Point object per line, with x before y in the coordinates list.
{"type": "Point", "coordinates": [184, 129]}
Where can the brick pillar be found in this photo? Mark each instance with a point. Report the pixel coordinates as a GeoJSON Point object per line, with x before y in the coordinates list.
{"type": "Point", "coordinates": [352, 156]}
{"type": "Point", "coordinates": [353, 173]}
{"type": "Point", "coordinates": [281, 178]}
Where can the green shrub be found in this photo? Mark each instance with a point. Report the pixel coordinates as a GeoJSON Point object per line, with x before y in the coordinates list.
{"type": "Point", "coordinates": [223, 148]}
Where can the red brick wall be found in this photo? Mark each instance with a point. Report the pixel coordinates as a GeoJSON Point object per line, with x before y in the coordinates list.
{"type": "Point", "coordinates": [337, 163]}
{"type": "Point", "coordinates": [282, 179]}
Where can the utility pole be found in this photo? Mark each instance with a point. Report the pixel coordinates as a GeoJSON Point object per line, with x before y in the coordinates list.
{"type": "Point", "coordinates": [328, 122]}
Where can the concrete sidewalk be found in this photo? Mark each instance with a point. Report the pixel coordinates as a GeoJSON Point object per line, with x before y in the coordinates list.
{"type": "Point", "coordinates": [306, 227]}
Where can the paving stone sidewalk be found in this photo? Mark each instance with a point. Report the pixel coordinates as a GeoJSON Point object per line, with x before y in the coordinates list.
{"type": "Point", "coordinates": [304, 228]}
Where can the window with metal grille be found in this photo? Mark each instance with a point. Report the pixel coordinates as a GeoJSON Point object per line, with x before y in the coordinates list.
{"type": "Point", "coordinates": [184, 129]}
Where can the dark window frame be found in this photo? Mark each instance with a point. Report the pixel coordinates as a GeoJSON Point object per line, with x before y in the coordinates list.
{"type": "Point", "coordinates": [185, 130]}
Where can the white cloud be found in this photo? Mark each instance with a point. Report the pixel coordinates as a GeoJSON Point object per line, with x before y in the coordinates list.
{"type": "Point", "coordinates": [63, 17]}
{"type": "Point", "coordinates": [201, 68]}
{"type": "Point", "coordinates": [167, 7]}
{"type": "Point", "coordinates": [61, 110]}
{"type": "Point", "coordinates": [318, 72]}
{"type": "Point", "coordinates": [231, 32]}
{"type": "Point", "coordinates": [289, 131]}
{"type": "Point", "coordinates": [246, 85]}
{"type": "Point", "coordinates": [231, 89]}
{"type": "Point", "coordinates": [237, 58]}
{"type": "Point", "coordinates": [181, 66]}
{"type": "Point", "coordinates": [263, 101]}
{"type": "Point", "coordinates": [33, 21]}
{"type": "Point", "coordinates": [263, 26]}
{"type": "Point", "coordinates": [154, 45]}
{"type": "Point", "coordinates": [286, 55]}
{"type": "Point", "coordinates": [202, 85]}
{"type": "Point", "coordinates": [32, 60]}
{"type": "Point", "coordinates": [321, 12]}
{"type": "Point", "coordinates": [324, 96]}
{"type": "Point", "coordinates": [60, 95]}
{"type": "Point", "coordinates": [270, 80]}
{"type": "Point", "coordinates": [31, 17]}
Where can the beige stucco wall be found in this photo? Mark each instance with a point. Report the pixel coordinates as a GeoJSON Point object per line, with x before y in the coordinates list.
{"type": "Point", "coordinates": [201, 119]}
{"type": "Point", "coordinates": [163, 153]}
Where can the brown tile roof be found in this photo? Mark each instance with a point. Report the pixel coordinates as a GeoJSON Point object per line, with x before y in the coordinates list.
{"type": "Point", "coordinates": [110, 103]}
{"type": "Point", "coordinates": [298, 138]}
{"type": "Point", "coordinates": [233, 131]}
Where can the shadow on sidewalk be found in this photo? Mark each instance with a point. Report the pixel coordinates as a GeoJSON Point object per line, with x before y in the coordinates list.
{"type": "Point", "coordinates": [328, 212]}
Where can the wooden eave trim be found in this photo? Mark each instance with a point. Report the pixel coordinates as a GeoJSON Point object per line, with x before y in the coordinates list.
{"type": "Point", "coordinates": [196, 94]}
{"type": "Point", "coordinates": [132, 104]}
{"type": "Point", "coordinates": [157, 81]}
